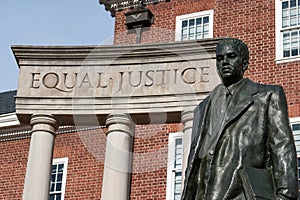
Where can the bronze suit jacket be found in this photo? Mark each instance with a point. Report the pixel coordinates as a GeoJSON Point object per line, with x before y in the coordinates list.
{"type": "Point", "coordinates": [255, 132]}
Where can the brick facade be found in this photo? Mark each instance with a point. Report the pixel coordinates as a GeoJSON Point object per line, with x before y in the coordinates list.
{"type": "Point", "coordinates": [251, 21]}
{"type": "Point", "coordinates": [163, 29]}
{"type": "Point", "coordinates": [86, 152]}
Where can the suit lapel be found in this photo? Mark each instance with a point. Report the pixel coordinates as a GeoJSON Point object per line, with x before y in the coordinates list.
{"type": "Point", "coordinates": [239, 103]}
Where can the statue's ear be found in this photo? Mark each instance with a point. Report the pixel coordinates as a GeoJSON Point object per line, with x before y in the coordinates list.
{"type": "Point", "coordinates": [245, 65]}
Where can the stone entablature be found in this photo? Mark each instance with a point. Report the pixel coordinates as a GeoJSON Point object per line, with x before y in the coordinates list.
{"type": "Point", "coordinates": [65, 81]}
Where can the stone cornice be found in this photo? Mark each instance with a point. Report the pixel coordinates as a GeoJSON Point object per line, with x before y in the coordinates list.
{"type": "Point", "coordinates": [112, 54]}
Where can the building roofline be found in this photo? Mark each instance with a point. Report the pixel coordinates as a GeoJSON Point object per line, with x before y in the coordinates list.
{"type": "Point", "coordinates": [118, 5]}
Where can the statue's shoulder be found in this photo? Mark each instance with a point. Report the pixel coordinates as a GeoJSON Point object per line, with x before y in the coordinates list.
{"type": "Point", "coordinates": [264, 88]}
{"type": "Point", "coordinates": [270, 88]}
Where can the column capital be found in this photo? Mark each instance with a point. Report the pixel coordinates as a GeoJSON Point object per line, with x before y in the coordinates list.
{"type": "Point", "coordinates": [187, 115]}
{"type": "Point", "coordinates": [119, 122]}
{"type": "Point", "coordinates": [49, 120]}
{"type": "Point", "coordinates": [187, 119]}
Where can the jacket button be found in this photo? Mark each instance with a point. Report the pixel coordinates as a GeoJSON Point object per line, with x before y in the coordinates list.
{"type": "Point", "coordinates": [211, 152]}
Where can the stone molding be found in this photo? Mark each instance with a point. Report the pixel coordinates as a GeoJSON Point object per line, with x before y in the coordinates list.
{"type": "Point", "coordinates": [187, 119]}
{"type": "Point", "coordinates": [44, 122]}
{"type": "Point", "coordinates": [119, 122]}
{"type": "Point", "coordinates": [140, 80]}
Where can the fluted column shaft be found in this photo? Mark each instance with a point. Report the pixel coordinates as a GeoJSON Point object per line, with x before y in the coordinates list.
{"type": "Point", "coordinates": [37, 180]}
{"type": "Point", "coordinates": [118, 158]}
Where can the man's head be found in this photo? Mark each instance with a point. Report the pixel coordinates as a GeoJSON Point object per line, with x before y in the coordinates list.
{"type": "Point", "coordinates": [232, 60]}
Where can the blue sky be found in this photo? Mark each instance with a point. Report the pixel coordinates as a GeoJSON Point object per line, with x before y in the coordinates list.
{"type": "Point", "coordinates": [44, 22]}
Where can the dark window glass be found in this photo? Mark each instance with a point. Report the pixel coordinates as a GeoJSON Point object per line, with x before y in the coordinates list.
{"type": "Point", "coordinates": [285, 5]}
{"type": "Point", "coordinates": [58, 186]}
{"type": "Point", "coordinates": [286, 53]}
{"type": "Point", "coordinates": [192, 22]}
{"type": "Point", "coordinates": [58, 197]}
{"type": "Point", "coordinates": [198, 21]}
{"type": "Point", "coordinates": [178, 141]}
{"type": "Point", "coordinates": [293, 3]}
{"type": "Point", "coordinates": [53, 178]}
{"type": "Point", "coordinates": [59, 177]}
{"type": "Point", "coordinates": [60, 167]}
{"type": "Point", "coordinates": [296, 127]}
{"type": "Point", "coordinates": [54, 168]}
{"type": "Point", "coordinates": [294, 52]}
{"type": "Point", "coordinates": [184, 23]}
{"type": "Point", "coordinates": [205, 20]}
{"type": "Point", "coordinates": [52, 187]}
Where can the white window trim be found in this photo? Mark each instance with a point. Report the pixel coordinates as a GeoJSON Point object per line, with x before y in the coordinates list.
{"type": "Point", "coordinates": [278, 36]}
{"type": "Point", "coordinates": [295, 120]}
{"type": "Point", "coordinates": [180, 18]}
{"type": "Point", "coordinates": [171, 159]}
{"type": "Point", "coordinates": [64, 180]}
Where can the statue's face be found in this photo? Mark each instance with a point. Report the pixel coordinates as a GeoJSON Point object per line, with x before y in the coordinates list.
{"type": "Point", "coordinates": [230, 64]}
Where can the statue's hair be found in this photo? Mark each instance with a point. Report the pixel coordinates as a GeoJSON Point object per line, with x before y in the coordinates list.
{"type": "Point", "coordinates": [242, 47]}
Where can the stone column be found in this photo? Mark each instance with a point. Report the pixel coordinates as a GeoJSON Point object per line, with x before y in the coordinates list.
{"type": "Point", "coordinates": [37, 180]}
{"type": "Point", "coordinates": [118, 158]}
{"type": "Point", "coordinates": [187, 121]}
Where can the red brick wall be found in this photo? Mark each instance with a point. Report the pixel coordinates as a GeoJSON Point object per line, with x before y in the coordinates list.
{"type": "Point", "coordinates": [150, 161]}
{"type": "Point", "coordinates": [163, 29]}
{"type": "Point", "coordinates": [13, 156]}
{"type": "Point", "coordinates": [253, 21]}
{"type": "Point", "coordinates": [85, 151]}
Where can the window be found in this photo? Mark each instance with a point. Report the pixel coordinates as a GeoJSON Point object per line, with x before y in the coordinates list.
{"type": "Point", "coordinates": [174, 176]}
{"type": "Point", "coordinates": [287, 30]}
{"type": "Point", "coordinates": [295, 123]}
{"type": "Point", "coordinates": [194, 26]}
{"type": "Point", "coordinates": [299, 173]}
{"type": "Point", "coordinates": [58, 178]}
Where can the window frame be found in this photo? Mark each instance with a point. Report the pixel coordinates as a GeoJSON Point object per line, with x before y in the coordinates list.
{"type": "Point", "coordinates": [296, 120]}
{"type": "Point", "coordinates": [279, 36]}
{"type": "Point", "coordinates": [64, 178]}
{"type": "Point", "coordinates": [171, 163]}
{"type": "Point", "coordinates": [180, 18]}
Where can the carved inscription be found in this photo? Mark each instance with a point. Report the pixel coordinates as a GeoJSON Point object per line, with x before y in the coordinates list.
{"type": "Point", "coordinates": [118, 80]}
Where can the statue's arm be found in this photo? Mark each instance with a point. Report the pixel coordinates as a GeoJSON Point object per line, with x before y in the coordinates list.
{"type": "Point", "coordinates": [282, 147]}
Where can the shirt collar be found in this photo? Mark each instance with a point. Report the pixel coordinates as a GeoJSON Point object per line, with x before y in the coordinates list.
{"type": "Point", "coordinates": [234, 87]}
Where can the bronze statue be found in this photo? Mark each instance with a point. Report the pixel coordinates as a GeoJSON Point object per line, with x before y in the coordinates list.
{"type": "Point", "coordinates": [242, 144]}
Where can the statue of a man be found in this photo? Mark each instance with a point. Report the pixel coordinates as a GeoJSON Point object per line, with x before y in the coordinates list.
{"type": "Point", "coordinates": [242, 144]}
